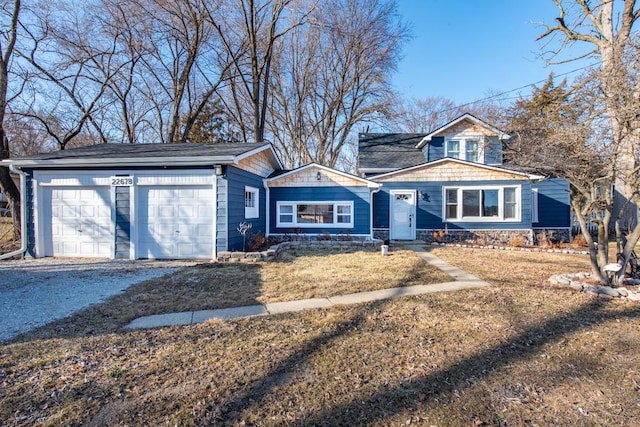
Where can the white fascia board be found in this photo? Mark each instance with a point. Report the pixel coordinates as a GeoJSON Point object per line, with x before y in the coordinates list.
{"type": "Point", "coordinates": [501, 135]}
{"type": "Point", "coordinates": [258, 150]}
{"type": "Point", "coordinates": [463, 162]}
{"type": "Point", "coordinates": [129, 162]}
{"type": "Point", "coordinates": [369, 183]}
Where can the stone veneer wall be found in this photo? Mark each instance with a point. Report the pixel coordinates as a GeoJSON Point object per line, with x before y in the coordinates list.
{"type": "Point", "coordinates": [480, 237]}
{"type": "Point", "coordinates": [276, 249]}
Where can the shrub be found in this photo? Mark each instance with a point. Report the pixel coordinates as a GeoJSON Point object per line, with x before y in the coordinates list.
{"type": "Point", "coordinates": [517, 242]}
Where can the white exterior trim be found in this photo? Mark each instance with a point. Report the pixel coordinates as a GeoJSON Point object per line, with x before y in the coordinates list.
{"type": "Point", "coordinates": [501, 135]}
{"type": "Point", "coordinates": [500, 218]}
{"type": "Point", "coordinates": [414, 209]}
{"type": "Point", "coordinates": [463, 162]}
{"type": "Point", "coordinates": [369, 183]}
{"type": "Point", "coordinates": [252, 212]}
{"type": "Point", "coordinates": [295, 223]}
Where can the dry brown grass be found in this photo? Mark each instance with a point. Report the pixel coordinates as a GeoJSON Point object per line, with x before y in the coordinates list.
{"type": "Point", "coordinates": [6, 229]}
{"type": "Point", "coordinates": [296, 274]}
{"type": "Point", "coordinates": [517, 353]}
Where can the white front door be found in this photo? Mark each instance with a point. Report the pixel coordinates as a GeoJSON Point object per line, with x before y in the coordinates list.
{"type": "Point", "coordinates": [176, 222]}
{"type": "Point", "coordinates": [402, 215]}
{"type": "Point", "coordinates": [77, 222]}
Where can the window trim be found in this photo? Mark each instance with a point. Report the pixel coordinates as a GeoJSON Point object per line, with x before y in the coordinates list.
{"type": "Point", "coordinates": [334, 224]}
{"type": "Point", "coordinates": [462, 146]}
{"type": "Point", "coordinates": [501, 202]}
{"type": "Point", "coordinates": [252, 212]}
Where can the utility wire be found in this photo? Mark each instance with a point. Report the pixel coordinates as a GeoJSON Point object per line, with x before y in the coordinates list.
{"type": "Point", "coordinates": [479, 101]}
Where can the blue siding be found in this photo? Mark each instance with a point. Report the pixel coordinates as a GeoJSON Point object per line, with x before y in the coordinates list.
{"type": "Point", "coordinates": [493, 151]}
{"type": "Point", "coordinates": [359, 196]}
{"type": "Point", "coordinates": [429, 208]}
{"type": "Point", "coordinates": [553, 203]}
{"type": "Point", "coordinates": [123, 223]}
{"type": "Point", "coordinates": [435, 149]}
{"type": "Point", "coordinates": [30, 225]}
{"type": "Point", "coordinates": [236, 180]}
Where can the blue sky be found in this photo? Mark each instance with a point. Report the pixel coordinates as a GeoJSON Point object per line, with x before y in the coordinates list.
{"type": "Point", "coordinates": [465, 50]}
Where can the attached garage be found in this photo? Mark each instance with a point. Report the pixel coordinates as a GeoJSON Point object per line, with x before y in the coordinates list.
{"type": "Point", "coordinates": [141, 201]}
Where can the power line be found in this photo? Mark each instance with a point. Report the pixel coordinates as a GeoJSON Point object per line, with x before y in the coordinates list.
{"type": "Point", "coordinates": [514, 90]}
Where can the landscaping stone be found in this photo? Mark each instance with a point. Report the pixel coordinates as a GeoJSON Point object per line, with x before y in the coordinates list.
{"type": "Point", "coordinates": [634, 296]}
{"type": "Point", "coordinates": [576, 281]}
{"type": "Point", "coordinates": [576, 286]}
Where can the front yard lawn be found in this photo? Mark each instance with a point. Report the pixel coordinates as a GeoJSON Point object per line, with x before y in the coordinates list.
{"type": "Point", "coordinates": [517, 353]}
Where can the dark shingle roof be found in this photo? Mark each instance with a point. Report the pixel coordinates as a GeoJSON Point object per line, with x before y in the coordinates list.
{"type": "Point", "coordinates": [389, 150]}
{"type": "Point", "coordinates": [128, 151]}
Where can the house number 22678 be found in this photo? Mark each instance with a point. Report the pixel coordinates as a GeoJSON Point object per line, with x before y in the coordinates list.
{"type": "Point", "coordinates": [121, 181]}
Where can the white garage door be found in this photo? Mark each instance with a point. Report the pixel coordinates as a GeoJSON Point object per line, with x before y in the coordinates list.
{"type": "Point", "coordinates": [77, 222]}
{"type": "Point", "coordinates": [175, 222]}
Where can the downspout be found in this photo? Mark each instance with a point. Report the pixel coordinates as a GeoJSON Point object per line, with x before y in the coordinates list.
{"type": "Point", "coordinates": [371, 193]}
{"type": "Point", "coordinates": [23, 216]}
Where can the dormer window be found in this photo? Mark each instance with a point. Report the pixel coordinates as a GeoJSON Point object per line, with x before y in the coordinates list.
{"type": "Point", "coordinates": [465, 149]}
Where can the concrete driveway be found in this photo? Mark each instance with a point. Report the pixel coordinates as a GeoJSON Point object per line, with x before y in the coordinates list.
{"type": "Point", "coordinates": [35, 292]}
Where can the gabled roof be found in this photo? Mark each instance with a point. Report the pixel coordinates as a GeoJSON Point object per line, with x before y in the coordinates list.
{"type": "Point", "coordinates": [146, 155]}
{"type": "Point", "coordinates": [473, 119]}
{"type": "Point", "coordinates": [278, 175]}
{"type": "Point", "coordinates": [388, 151]}
{"type": "Point", "coordinates": [460, 162]}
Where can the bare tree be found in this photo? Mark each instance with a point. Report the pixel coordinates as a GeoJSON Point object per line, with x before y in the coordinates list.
{"type": "Point", "coordinates": [180, 72]}
{"type": "Point", "coordinates": [423, 115]}
{"type": "Point", "coordinates": [557, 132]}
{"type": "Point", "coordinates": [605, 29]}
{"type": "Point", "coordinates": [333, 76]}
{"type": "Point", "coordinates": [10, 13]}
{"type": "Point", "coordinates": [252, 33]}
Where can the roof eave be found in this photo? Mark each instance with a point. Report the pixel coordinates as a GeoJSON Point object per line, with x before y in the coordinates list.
{"type": "Point", "coordinates": [127, 162]}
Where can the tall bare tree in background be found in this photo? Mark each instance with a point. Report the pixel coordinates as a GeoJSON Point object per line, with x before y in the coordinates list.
{"type": "Point", "coordinates": [9, 15]}
{"type": "Point", "coordinates": [252, 33]}
{"type": "Point", "coordinates": [334, 75]}
{"type": "Point", "coordinates": [423, 115]}
{"type": "Point", "coordinates": [605, 28]}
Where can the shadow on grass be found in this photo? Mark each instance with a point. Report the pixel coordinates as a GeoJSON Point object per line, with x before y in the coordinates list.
{"type": "Point", "coordinates": [429, 390]}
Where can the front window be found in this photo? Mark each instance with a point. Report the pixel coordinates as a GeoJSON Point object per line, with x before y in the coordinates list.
{"type": "Point", "coordinates": [482, 204]}
{"type": "Point", "coordinates": [315, 214]}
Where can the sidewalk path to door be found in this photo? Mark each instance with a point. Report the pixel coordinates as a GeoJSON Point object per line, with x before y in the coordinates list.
{"type": "Point", "coordinates": [463, 280]}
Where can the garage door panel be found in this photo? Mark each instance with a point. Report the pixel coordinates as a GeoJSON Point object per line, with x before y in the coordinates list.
{"type": "Point", "coordinates": [80, 222]}
{"type": "Point", "coordinates": [176, 222]}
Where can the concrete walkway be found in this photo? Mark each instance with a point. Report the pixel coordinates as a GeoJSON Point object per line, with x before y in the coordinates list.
{"type": "Point", "coordinates": [463, 281]}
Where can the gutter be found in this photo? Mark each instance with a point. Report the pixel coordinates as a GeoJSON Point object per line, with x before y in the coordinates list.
{"type": "Point", "coordinates": [23, 216]}
{"type": "Point", "coordinates": [371, 193]}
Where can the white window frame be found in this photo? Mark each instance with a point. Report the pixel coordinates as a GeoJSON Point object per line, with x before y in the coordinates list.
{"type": "Point", "coordinates": [462, 141]}
{"type": "Point", "coordinates": [295, 224]}
{"type": "Point", "coordinates": [500, 218]}
{"type": "Point", "coordinates": [252, 212]}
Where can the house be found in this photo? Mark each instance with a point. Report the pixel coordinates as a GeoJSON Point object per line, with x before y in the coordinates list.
{"type": "Point", "coordinates": [188, 200]}
{"type": "Point", "coordinates": [452, 182]}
